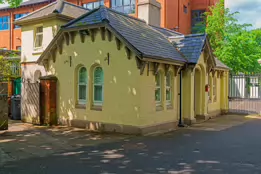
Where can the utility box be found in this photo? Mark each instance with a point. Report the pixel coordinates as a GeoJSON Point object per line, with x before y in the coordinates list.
{"type": "Point", "coordinates": [16, 107]}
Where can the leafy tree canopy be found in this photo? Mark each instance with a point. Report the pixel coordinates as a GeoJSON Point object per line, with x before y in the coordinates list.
{"type": "Point", "coordinates": [12, 3]}
{"type": "Point", "coordinates": [233, 43]}
{"type": "Point", "coordinates": [7, 60]}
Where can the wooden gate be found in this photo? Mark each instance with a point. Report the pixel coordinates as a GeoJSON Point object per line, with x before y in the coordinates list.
{"type": "Point", "coordinates": [245, 93]}
{"type": "Point", "coordinates": [3, 106]}
{"type": "Point", "coordinates": [48, 100]}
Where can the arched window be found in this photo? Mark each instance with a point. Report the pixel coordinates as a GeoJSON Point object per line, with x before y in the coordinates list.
{"type": "Point", "coordinates": [82, 85]}
{"type": "Point", "coordinates": [158, 96]}
{"type": "Point", "coordinates": [98, 86]}
{"type": "Point", "coordinates": [215, 88]}
{"type": "Point", "coordinates": [168, 89]}
{"type": "Point", "coordinates": [210, 90]}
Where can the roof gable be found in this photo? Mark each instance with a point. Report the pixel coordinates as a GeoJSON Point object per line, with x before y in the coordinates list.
{"type": "Point", "coordinates": [191, 46]}
{"type": "Point", "coordinates": [145, 39]}
{"type": "Point", "coordinates": [59, 7]}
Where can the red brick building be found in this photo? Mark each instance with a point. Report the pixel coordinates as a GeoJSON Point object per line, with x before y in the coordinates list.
{"type": "Point", "coordinates": [179, 15]}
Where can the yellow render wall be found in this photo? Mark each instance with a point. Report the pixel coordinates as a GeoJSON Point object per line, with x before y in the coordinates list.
{"type": "Point", "coordinates": [50, 28]}
{"type": "Point", "coordinates": [128, 96]}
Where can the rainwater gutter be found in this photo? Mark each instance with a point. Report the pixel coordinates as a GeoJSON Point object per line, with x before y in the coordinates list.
{"type": "Point", "coordinates": [180, 100]}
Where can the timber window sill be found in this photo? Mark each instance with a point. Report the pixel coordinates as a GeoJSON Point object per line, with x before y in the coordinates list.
{"type": "Point", "coordinates": [170, 107]}
{"type": "Point", "coordinates": [159, 108]}
{"type": "Point", "coordinates": [80, 106]}
{"type": "Point", "coordinates": [96, 108]}
{"type": "Point", "coordinates": [37, 51]}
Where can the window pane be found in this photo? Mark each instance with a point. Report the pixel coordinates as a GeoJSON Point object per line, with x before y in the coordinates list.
{"type": "Point", "coordinates": [118, 3]}
{"type": "Point", "coordinates": [157, 94]}
{"type": "Point", "coordinates": [157, 80]}
{"type": "Point", "coordinates": [126, 2]}
{"type": "Point", "coordinates": [98, 93]}
{"type": "Point", "coordinates": [98, 75]}
{"type": "Point", "coordinates": [133, 7]}
{"type": "Point", "coordinates": [113, 3]}
{"type": "Point", "coordinates": [102, 2]}
{"type": "Point", "coordinates": [127, 9]}
{"type": "Point", "coordinates": [96, 4]}
{"type": "Point", "coordinates": [39, 29]}
{"type": "Point", "coordinates": [168, 80]}
{"type": "Point", "coordinates": [89, 6]}
{"type": "Point", "coordinates": [82, 92]}
{"type": "Point", "coordinates": [168, 94]}
{"type": "Point", "coordinates": [39, 40]}
{"type": "Point", "coordinates": [83, 75]}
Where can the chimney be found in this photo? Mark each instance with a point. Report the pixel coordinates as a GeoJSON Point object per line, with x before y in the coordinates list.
{"type": "Point", "coordinates": [149, 10]}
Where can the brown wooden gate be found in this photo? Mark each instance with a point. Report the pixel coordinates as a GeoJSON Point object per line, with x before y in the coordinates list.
{"type": "Point", "coordinates": [3, 106]}
{"type": "Point", "coordinates": [48, 113]}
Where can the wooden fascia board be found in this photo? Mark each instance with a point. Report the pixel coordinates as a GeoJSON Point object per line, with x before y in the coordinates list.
{"type": "Point", "coordinates": [43, 18]}
{"type": "Point", "coordinates": [163, 61]}
{"type": "Point", "coordinates": [122, 39]}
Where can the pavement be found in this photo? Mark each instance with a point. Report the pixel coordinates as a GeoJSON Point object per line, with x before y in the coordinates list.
{"type": "Point", "coordinates": [228, 144]}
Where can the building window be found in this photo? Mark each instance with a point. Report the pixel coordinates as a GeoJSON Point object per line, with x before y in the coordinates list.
{"type": "Point", "coordinates": [98, 86]}
{"type": "Point", "coordinates": [93, 5]}
{"type": "Point", "coordinates": [82, 85]}
{"type": "Point", "coordinates": [210, 90]}
{"type": "Point", "coordinates": [17, 16]}
{"type": "Point", "coordinates": [15, 69]}
{"type": "Point", "coordinates": [124, 6]}
{"type": "Point", "coordinates": [168, 89]}
{"type": "Point", "coordinates": [197, 19]}
{"type": "Point", "coordinates": [4, 22]}
{"type": "Point", "coordinates": [19, 48]}
{"type": "Point", "coordinates": [215, 89]}
{"type": "Point", "coordinates": [185, 9]}
{"type": "Point", "coordinates": [158, 96]}
{"type": "Point", "coordinates": [38, 40]}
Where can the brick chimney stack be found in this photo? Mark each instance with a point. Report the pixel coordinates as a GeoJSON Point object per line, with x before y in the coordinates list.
{"type": "Point", "coordinates": [149, 10]}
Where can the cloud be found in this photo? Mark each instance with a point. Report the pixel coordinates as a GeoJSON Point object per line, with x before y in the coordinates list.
{"type": "Point", "coordinates": [249, 11]}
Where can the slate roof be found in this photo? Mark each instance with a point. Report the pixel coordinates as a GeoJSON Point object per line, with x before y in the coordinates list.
{"type": "Point", "coordinates": [30, 2]}
{"type": "Point", "coordinates": [58, 7]}
{"type": "Point", "coordinates": [220, 64]}
{"type": "Point", "coordinates": [190, 46]}
{"type": "Point", "coordinates": [167, 32]}
{"type": "Point", "coordinates": [147, 40]}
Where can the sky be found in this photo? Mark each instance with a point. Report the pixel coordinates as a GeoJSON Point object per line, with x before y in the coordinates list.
{"type": "Point", "coordinates": [249, 11]}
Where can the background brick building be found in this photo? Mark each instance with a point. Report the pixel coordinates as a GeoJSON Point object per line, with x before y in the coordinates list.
{"type": "Point", "coordinates": [179, 15]}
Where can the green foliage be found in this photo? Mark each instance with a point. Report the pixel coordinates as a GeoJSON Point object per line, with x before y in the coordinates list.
{"type": "Point", "coordinates": [6, 61]}
{"type": "Point", "coordinates": [12, 3]}
{"type": "Point", "coordinates": [233, 43]}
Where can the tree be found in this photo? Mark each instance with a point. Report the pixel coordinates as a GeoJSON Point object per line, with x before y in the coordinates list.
{"type": "Point", "coordinates": [232, 42]}
{"type": "Point", "coordinates": [12, 3]}
{"type": "Point", "coordinates": [6, 62]}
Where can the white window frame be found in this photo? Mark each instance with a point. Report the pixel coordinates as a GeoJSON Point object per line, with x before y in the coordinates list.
{"type": "Point", "coordinates": [170, 88]}
{"type": "Point", "coordinates": [214, 96]}
{"type": "Point", "coordinates": [81, 101]}
{"type": "Point", "coordinates": [36, 35]}
{"type": "Point", "coordinates": [210, 83]}
{"type": "Point", "coordinates": [97, 103]}
{"type": "Point", "coordinates": [158, 103]}
{"type": "Point", "coordinates": [100, 2]}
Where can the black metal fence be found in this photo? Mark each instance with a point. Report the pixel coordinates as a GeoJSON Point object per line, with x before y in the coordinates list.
{"type": "Point", "coordinates": [245, 93]}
